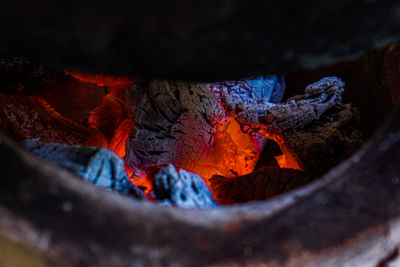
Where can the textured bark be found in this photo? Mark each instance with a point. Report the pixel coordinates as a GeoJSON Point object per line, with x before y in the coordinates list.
{"type": "Point", "coordinates": [181, 188]}
{"type": "Point", "coordinates": [174, 122]}
{"type": "Point", "coordinates": [261, 184]}
{"type": "Point", "coordinates": [98, 166]}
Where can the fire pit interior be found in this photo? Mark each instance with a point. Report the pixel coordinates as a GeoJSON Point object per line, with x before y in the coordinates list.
{"type": "Point", "coordinates": [193, 144]}
{"type": "Point", "coordinates": [187, 144]}
{"type": "Point", "coordinates": [228, 166]}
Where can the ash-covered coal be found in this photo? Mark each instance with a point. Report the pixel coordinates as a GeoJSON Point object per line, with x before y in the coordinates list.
{"type": "Point", "coordinates": [257, 93]}
{"type": "Point", "coordinates": [98, 166]}
{"type": "Point", "coordinates": [183, 123]}
{"type": "Point", "coordinates": [205, 130]}
{"type": "Point", "coordinates": [296, 112]}
{"type": "Point", "coordinates": [181, 188]}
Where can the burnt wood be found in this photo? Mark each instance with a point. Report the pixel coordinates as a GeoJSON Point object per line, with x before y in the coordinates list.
{"type": "Point", "coordinates": [98, 166]}
{"type": "Point", "coordinates": [174, 122]}
{"type": "Point", "coordinates": [296, 112]}
{"type": "Point", "coordinates": [352, 210]}
{"type": "Point", "coordinates": [374, 74]}
{"type": "Point", "coordinates": [181, 188]}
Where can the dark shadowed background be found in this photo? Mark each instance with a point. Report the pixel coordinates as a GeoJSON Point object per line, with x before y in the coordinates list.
{"type": "Point", "coordinates": [207, 40]}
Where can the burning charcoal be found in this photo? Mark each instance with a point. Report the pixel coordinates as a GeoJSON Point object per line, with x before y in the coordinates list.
{"type": "Point", "coordinates": [178, 122]}
{"type": "Point", "coordinates": [98, 166]}
{"type": "Point", "coordinates": [174, 122]}
{"type": "Point", "coordinates": [256, 93]}
{"type": "Point", "coordinates": [182, 188]}
{"type": "Point", "coordinates": [263, 183]}
{"type": "Point", "coordinates": [297, 112]}
{"type": "Point", "coordinates": [315, 129]}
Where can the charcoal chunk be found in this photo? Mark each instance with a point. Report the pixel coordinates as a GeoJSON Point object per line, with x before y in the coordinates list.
{"type": "Point", "coordinates": [98, 166]}
{"type": "Point", "coordinates": [181, 188]}
{"type": "Point", "coordinates": [174, 122]}
{"type": "Point", "coordinates": [296, 112]}
{"type": "Point", "coordinates": [257, 93]}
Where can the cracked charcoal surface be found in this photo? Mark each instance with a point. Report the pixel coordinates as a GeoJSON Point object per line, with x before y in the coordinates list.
{"type": "Point", "coordinates": [296, 112]}
{"type": "Point", "coordinates": [257, 93]}
{"type": "Point", "coordinates": [315, 127]}
{"type": "Point", "coordinates": [98, 166]}
{"type": "Point", "coordinates": [174, 122]}
{"type": "Point", "coordinates": [181, 188]}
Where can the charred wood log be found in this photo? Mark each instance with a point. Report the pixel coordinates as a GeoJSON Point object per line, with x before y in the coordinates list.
{"type": "Point", "coordinates": [372, 83]}
{"type": "Point", "coordinates": [98, 166]}
{"type": "Point", "coordinates": [174, 122]}
{"type": "Point", "coordinates": [263, 183]}
{"type": "Point", "coordinates": [297, 112]}
{"type": "Point", "coordinates": [181, 188]}
{"type": "Point", "coordinates": [315, 127]}
{"type": "Point", "coordinates": [250, 94]}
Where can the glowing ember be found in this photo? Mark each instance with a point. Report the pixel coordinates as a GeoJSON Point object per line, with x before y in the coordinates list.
{"type": "Point", "coordinates": [233, 154]}
{"type": "Point", "coordinates": [287, 159]}
{"type": "Point", "coordinates": [143, 181]}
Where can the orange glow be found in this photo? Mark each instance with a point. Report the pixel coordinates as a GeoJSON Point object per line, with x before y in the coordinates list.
{"type": "Point", "coordinates": [117, 143]}
{"type": "Point", "coordinates": [142, 181]}
{"type": "Point", "coordinates": [101, 79]}
{"type": "Point", "coordinates": [233, 153]}
{"type": "Point", "coordinates": [287, 159]}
